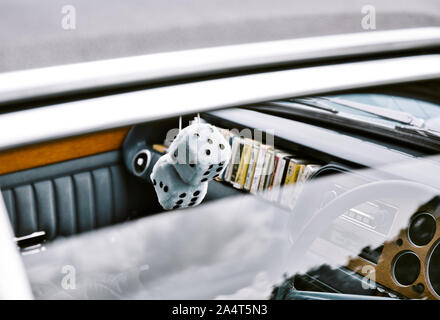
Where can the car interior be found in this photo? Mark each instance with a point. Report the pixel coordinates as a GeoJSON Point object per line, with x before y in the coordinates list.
{"type": "Point", "coordinates": [67, 187]}
{"type": "Point", "coordinates": [65, 195]}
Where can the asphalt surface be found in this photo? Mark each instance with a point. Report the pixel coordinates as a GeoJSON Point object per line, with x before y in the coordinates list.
{"type": "Point", "coordinates": [31, 33]}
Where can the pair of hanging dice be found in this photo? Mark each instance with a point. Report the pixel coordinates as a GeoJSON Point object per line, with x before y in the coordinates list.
{"type": "Point", "coordinates": [198, 154]}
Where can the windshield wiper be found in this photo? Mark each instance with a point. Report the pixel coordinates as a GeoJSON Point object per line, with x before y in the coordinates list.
{"type": "Point", "coordinates": [323, 103]}
{"type": "Point", "coordinates": [407, 122]}
{"type": "Point", "coordinates": [315, 103]}
{"type": "Point", "coordinates": [394, 115]}
{"type": "Point", "coordinates": [425, 132]}
{"type": "Point", "coordinates": [410, 124]}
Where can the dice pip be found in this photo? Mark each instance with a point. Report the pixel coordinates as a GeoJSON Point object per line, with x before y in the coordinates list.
{"type": "Point", "coordinates": [199, 153]}
{"type": "Point", "coordinates": [172, 192]}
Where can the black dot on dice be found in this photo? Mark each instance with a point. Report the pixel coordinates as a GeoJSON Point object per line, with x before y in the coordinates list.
{"type": "Point", "coordinates": [219, 169]}
{"type": "Point", "coordinates": [179, 202]}
{"type": "Point", "coordinates": [191, 203]}
{"type": "Point", "coordinates": [222, 146]}
{"type": "Point", "coordinates": [208, 152]}
{"type": "Point", "coordinates": [165, 188]}
{"type": "Point", "coordinates": [196, 193]}
{"type": "Point", "coordinates": [161, 184]}
{"type": "Point", "coordinates": [197, 135]}
{"type": "Point", "coordinates": [175, 154]}
{"type": "Point", "coordinates": [216, 176]}
{"type": "Point", "coordinates": [194, 199]}
{"type": "Point", "coordinates": [222, 163]}
{"type": "Point", "coordinates": [154, 182]}
{"type": "Point", "coordinates": [206, 173]}
{"type": "Point", "coordinates": [176, 206]}
{"type": "Point", "coordinates": [209, 141]}
{"type": "Point", "coordinates": [192, 165]}
{"type": "Point", "coordinates": [182, 195]}
{"type": "Point", "coordinates": [204, 179]}
{"type": "Point", "coordinates": [210, 167]}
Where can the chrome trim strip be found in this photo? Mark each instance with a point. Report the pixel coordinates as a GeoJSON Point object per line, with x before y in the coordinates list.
{"type": "Point", "coordinates": [315, 295]}
{"type": "Point", "coordinates": [84, 116]}
{"type": "Point", "coordinates": [28, 84]}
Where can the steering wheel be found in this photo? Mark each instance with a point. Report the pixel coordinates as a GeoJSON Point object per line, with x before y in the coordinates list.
{"type": "Point", "coordinates": [322, 218]}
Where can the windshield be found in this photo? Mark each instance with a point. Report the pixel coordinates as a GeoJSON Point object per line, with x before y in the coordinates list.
{"type": "Point", "coordinates": [392, 113]}
{"type": "Point", "coordinates": [417, 108]}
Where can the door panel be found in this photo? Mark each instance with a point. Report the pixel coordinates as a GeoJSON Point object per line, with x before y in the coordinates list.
{"type": "Point", "coordinates": [75, 196]}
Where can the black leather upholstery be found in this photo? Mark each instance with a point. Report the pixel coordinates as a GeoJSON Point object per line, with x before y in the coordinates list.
{"type": "Point", "coordinates": [81, 195]}
{"type": "Point", "coordinates": [75, 196]}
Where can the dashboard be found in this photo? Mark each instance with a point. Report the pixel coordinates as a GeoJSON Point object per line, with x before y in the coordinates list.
{"type": "Point", "coordinates": [401, 263]}
{"type": "Point", "coordinates": [410, 263]}
{"type": "Point", "coordinates": [398, 262]}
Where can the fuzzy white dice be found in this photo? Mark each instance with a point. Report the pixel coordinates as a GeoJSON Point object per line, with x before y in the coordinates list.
{"type": "Point", "coordinates": [172, 192]}
{"type": "Point", "coordinates": [199, 153]}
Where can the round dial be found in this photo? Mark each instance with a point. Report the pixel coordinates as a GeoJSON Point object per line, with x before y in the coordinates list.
{"type": "Point", "coordinates": [406, 268]}
{"type": "Point", "coordinates": [422, 229]}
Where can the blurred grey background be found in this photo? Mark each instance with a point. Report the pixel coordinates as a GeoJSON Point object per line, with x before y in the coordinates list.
{"type": "Point", "coordinates": [31, 34]}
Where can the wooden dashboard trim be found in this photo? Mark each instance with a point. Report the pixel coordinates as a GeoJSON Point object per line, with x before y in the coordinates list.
{"type": "Point", "coordinates": [383, 269]}
{"type": "Point", "coordinates": [42, 154]}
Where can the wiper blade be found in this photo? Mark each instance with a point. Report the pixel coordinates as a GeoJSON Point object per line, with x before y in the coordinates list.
{"type": "Point", "coordinates": [394, 115]}
{"type": "Point", "coordinates": [314, 103]}
{"type": "Point", "coordinates": [408, 123]}
{"type": "Point", "coordinates": [425, 132]}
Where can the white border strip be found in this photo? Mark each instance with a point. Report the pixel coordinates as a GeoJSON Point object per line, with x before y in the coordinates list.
{"type": "Point", "coordinates": [85, 116]}
{"type": "Point", "coordinates": [14, 283]}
